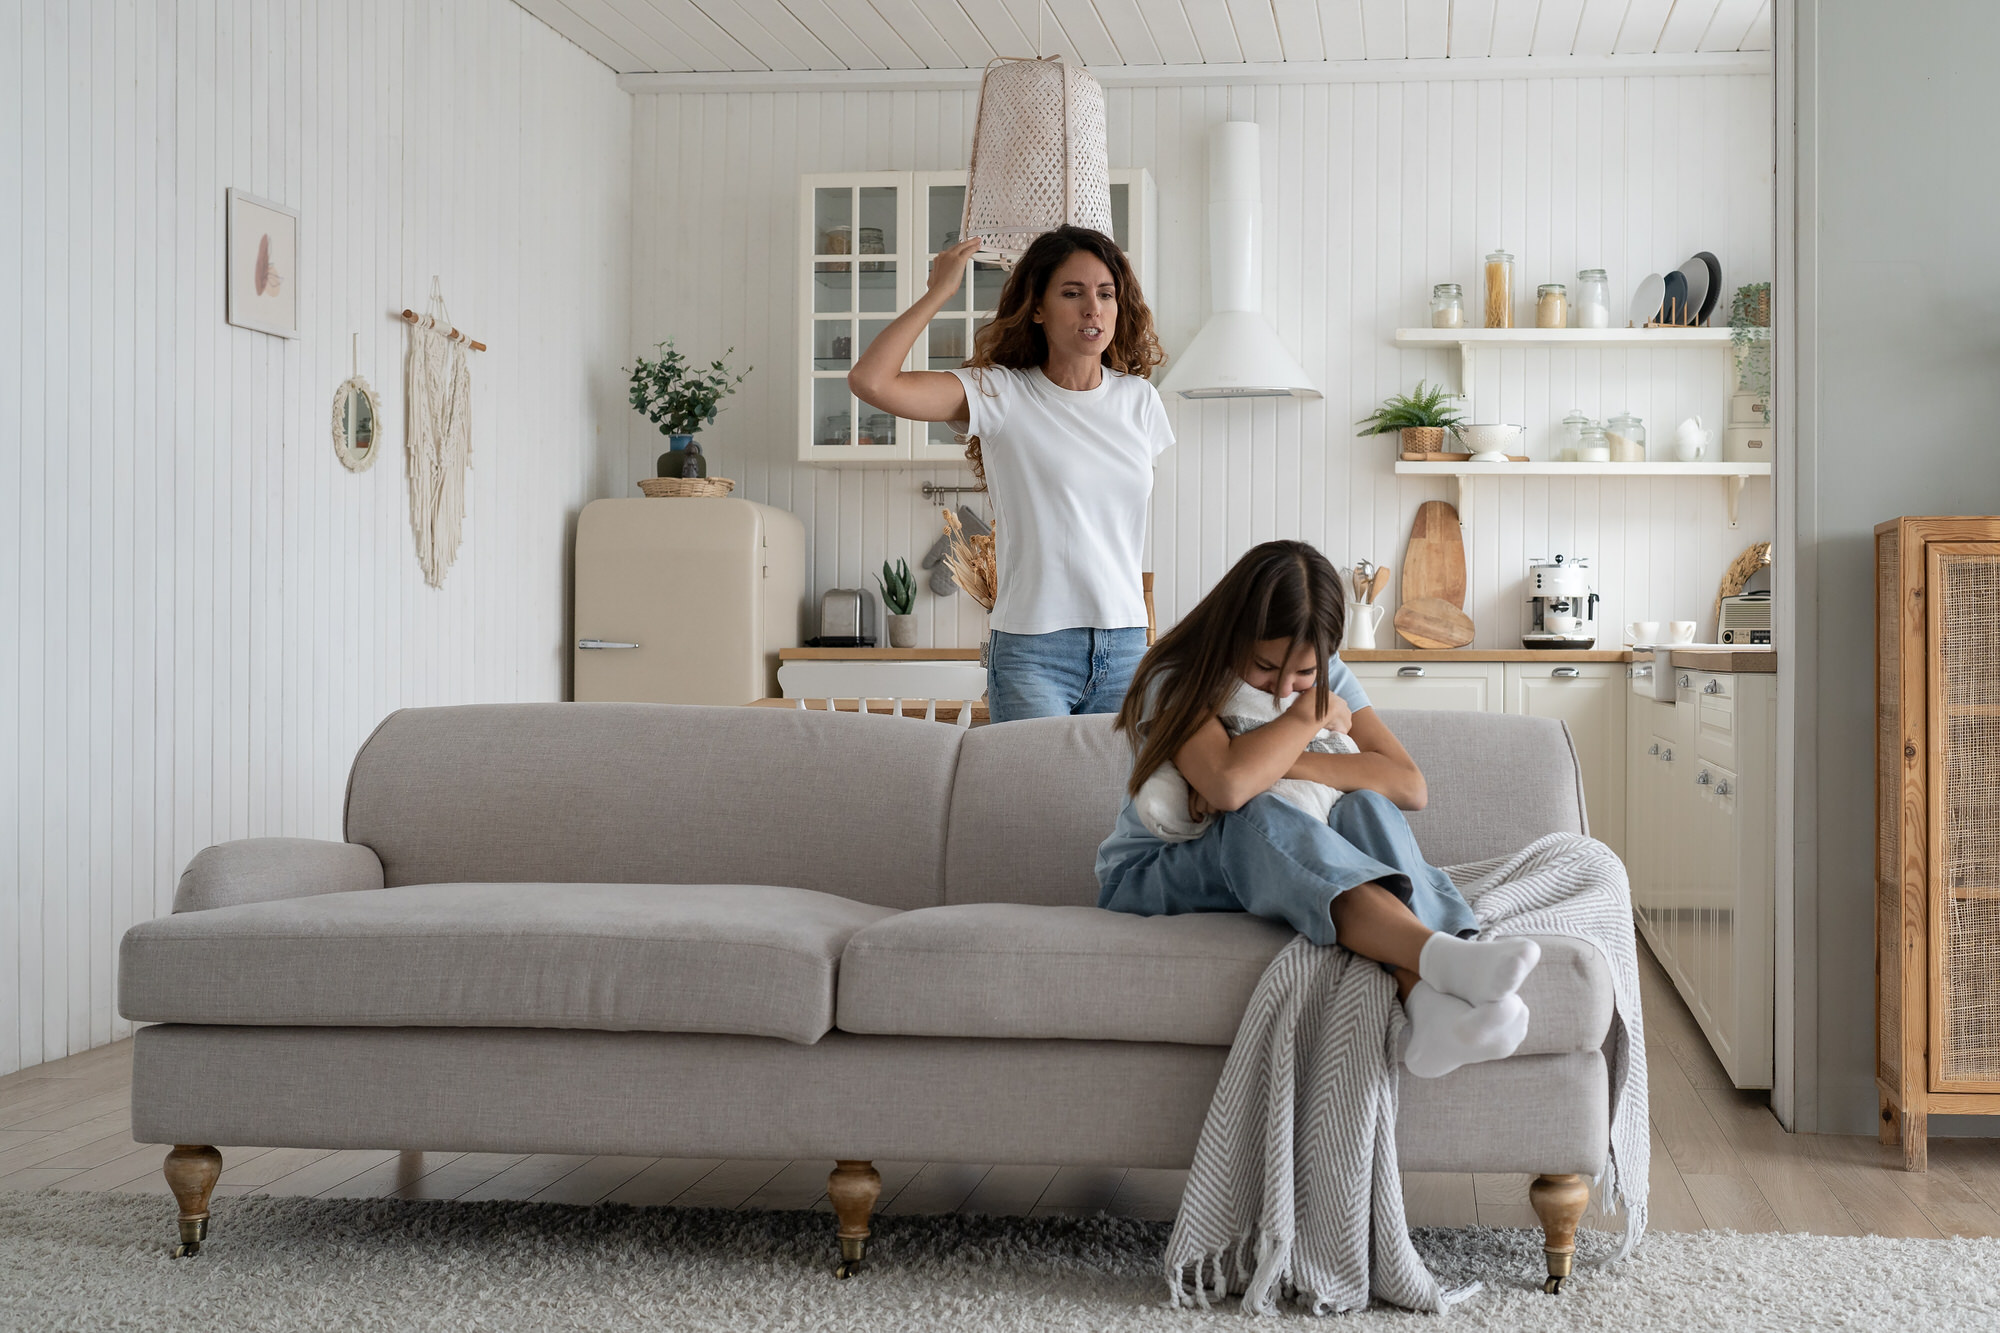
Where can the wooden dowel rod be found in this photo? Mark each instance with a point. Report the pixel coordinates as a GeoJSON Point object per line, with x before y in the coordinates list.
{"type": "Point", "coordinates": [412, 317]}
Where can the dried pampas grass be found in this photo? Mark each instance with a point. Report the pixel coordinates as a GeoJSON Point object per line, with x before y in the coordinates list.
{"type": "Point", "coordinates": [970, 560]}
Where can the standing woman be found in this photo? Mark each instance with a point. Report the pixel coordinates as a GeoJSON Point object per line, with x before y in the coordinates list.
{"type": "Point", "coordinates": [1064, 427]}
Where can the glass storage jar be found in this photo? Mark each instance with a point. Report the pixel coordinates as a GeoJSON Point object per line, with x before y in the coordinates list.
{"type": "Point", "coordinates": [1572, 435]}
{"type": "Point", "coordinates": [1593, 299]}
{"type": "Point", "coordinates": [1499, 290]}
{"type": "Point", "coordinates": [1447, 306]}
{"type": "Point", "coordinates": [1592, 446]}
{"type": "Point", "coordinates": [1551, 306]}
{"type": "Point", "coordinates": [1626, 435]}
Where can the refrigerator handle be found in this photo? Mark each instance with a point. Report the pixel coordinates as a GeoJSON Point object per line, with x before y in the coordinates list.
{"type": "Point", "coordinates": [603, 643]}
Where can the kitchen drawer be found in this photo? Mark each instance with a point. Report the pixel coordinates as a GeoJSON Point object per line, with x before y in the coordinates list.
{"type": "Point", "coordinates": [821, 678]}
{"type": "Point", "coordinates": [1473, 687]}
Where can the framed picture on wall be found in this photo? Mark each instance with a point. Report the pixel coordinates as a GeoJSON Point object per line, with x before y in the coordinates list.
{"type": "Point", "coordinates": [263, 265]}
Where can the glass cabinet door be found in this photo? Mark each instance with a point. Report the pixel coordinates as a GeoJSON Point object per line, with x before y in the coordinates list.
{"type": "Point", "coordinates": [855, 286]}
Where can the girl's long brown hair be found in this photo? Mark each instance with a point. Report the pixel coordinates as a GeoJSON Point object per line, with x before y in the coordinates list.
{"type": "Point", "coordinates": [1279, 590]}
{"type": "Point", "coordinates": [1013, 339]}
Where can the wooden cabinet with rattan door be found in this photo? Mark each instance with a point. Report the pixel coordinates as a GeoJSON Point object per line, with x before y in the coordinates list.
{"type": "Point", "coordinates": [1937, 850]}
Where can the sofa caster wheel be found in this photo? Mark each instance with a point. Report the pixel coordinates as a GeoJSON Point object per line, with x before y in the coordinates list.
{"type": "Point", "coordinates": [1554, 1285]}
{"type": "Point", "coordinates": [187, 1249]}
{"type": "Point", "coordinates": [846, 1268]}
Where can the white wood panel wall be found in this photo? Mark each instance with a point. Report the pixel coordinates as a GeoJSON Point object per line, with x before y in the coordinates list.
{"type": "Point", "coordinates": [205, 614]}
{"type": "Point", "coordinates": [1373, 191]}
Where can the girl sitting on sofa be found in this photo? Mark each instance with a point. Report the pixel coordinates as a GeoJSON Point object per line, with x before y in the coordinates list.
{"type": "Point", "coordinates": [1356, 878]}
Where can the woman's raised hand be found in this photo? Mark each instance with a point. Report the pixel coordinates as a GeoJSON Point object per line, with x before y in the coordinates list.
{"type": "Point", "coordinates": [948, 269]}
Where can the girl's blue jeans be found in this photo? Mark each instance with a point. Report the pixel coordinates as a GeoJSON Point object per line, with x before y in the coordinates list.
{"type": "Point", "coordinates": [1063, 672]}
{"type": "Point", "coordinates": [1272, 859]}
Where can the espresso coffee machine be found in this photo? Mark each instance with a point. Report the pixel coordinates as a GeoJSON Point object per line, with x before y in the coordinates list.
{"type": "Point", "coordinates": [1562, 604]}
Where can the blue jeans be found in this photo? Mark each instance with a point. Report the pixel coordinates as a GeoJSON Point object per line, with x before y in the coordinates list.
{"type": "Point", "coordinates": [1063, 672]}
{"type": "Point", "coordinates": [1274, 860]}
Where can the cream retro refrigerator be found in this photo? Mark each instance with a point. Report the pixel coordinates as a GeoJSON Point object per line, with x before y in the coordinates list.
{"type": "Point", "coordinates": [685, 601]}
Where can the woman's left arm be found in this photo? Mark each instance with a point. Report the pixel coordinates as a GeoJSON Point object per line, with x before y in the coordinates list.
{"type": "Point", "coordinates": [1383, 765]}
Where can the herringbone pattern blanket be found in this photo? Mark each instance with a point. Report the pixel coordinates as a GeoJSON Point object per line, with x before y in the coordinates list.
{"type": "Point", "coordinates": [1295, 1189]}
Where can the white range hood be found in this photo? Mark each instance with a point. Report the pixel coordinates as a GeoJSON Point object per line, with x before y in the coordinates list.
{"type": "Point", "coordinates": [1236, 355]}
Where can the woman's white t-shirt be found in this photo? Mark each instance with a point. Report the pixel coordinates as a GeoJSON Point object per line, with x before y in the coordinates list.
{"type": "Point", "coordinates": [1070, 472]}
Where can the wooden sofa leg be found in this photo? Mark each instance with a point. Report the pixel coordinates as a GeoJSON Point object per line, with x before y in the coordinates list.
{"type": "Point", "coordinates": [1560, 1202]}
{"type": "Point", "coordinates": [854, 1187]}
{"type": "Point", "coordinates": [192, 1170]}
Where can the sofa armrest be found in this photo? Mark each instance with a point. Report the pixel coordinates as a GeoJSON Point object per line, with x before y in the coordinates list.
{"type": "Point", "coordinates": [257, 870]}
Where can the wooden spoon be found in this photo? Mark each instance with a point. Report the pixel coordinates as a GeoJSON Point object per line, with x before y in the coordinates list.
{"type": "Point", "coordinates": [1378, 584]}
{"type": "Point", "coordinates": [1432, 622]}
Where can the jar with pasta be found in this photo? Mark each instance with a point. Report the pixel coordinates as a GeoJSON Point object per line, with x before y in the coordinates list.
{"type": "Point", "coordinates": [1551, 306]}
{"type": "Point", "coordinates": [1447, 306]}
{"type": "Point", "coordinates": [1499, 290]}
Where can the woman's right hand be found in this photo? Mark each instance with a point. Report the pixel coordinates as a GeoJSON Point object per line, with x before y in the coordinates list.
{"type": "Point", "coordinates": [1336, 716]}
{"type": "Point", "coordinates": [948, 269]}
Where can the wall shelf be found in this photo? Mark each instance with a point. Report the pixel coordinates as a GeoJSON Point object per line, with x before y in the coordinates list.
{"type": "Point", "coordinates": [1735, 475]}
{"type": "Point", "coordinates": [1655, 339]}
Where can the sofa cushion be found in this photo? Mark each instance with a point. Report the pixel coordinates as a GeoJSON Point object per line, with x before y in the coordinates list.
{"type": "Point", "coordinates": [1034, 799]}
{"type": "Point", "coordinates": [1012, 970]}
{"type": "Point", "coordinates": [742, 959]}
{"type": "Point", "coordinates": [657, 794]}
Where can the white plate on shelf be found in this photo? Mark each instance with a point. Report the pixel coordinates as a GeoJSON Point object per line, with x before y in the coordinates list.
{"type": "Point", "coordinates": [1646, 301]}
{"type": "Point", "coordinates": [1695, 272]}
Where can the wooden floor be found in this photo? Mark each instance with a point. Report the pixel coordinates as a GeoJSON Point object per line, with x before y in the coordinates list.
{"type": "Point", "coordinates": [1719, 1160]}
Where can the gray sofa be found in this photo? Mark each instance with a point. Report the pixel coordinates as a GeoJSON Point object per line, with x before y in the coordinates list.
{"type": "Point", "coordinates": [709, 932]}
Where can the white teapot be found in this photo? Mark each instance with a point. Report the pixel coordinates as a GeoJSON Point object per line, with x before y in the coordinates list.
{"type": "Point", "coordinates": [1691, 441]}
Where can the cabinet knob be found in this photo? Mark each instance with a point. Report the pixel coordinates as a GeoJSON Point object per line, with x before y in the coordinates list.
{"type": "Point", "coordinates": [1410, 671]}
{"type": "Point", "coordinates": [1654, 748]}
{"type": "Point", "coordinates": [1566, 673]}
{"type": "Point", "coordinates": [1713, 687]}
{"type": "Point", "coordinates": [1722, 789]}
{"type": "Point", "coordinates": [1667, 755]}
{"type": "Point", "coordinates": [1703, 778]}
{"type": "Point", "coordinates": [1686, 680]}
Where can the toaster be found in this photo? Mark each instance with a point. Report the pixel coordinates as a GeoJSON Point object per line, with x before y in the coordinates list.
{"type": "Point", "coordinates": [846, 619]}
{"type": "Point", "coordinates": [1745, 619]}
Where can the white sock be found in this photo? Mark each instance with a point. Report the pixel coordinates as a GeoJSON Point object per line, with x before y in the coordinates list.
{"type": "Point", "coordinates": [1446, 1032]}
{"type": "Point", "coordinates": [1478, 971]}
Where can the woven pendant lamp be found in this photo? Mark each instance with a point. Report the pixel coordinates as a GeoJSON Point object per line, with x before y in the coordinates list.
{"type": "Point", "coordinates": [1038, 155]}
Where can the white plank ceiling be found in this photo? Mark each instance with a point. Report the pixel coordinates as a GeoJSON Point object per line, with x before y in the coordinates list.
{"type": "Point", "coordinates": [747, 36]}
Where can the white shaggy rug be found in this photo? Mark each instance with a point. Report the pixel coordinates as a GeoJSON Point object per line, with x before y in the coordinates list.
{"type": "Point", "coordinates": [99, 1261]}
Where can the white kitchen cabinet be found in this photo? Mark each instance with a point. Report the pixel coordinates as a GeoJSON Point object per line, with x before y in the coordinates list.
{"type": "Point", "coordinates": [1472, 687]}
{"type": "Point", "coordinates": [1701, 822]}
{"type": "Point", "coordinates": [867, 239]}
{"type": "Point", "coordinates": [1590, 698]}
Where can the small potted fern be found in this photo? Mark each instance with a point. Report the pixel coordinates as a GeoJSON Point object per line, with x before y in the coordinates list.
{"type": "Point", "coordinates": [1421, 417]}
{"type": "Point", "coordinates": [899, 599]}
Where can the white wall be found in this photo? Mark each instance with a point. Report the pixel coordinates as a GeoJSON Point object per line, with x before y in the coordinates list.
{"type": "Point", "coordinates": [1899, 269]}
{"type": "Point", "coordinates": [204, 613]}
{"type": "Point", "coordinates": [1373, 191]}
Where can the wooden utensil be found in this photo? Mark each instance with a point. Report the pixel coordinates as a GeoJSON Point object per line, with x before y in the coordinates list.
{"type": "Point", "coordinates": [1434, 564]}
{"type": "Point", "coordinates": [1377, 585]}
{"type": "Point", "coordinates": [1431, 622]}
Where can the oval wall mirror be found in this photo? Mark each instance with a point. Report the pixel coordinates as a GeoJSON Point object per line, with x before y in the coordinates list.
{"type": "Point", "coordinates": [357, 424]}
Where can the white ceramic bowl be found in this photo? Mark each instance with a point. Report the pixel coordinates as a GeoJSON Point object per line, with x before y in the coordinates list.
{"type": "Point", "coordinates": [1487, 438]}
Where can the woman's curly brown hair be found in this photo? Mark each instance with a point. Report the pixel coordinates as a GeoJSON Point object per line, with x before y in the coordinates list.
{"type": "Point", "coordinates": [1014, 340]}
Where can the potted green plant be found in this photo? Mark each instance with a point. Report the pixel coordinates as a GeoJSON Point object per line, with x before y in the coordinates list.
{"type": "Point", "coordinates": [680, 399]}
{"type": "Point", "coordinates": [899, 599]}
{"type": "Point", "coordinates": [1421, 416]}
{"type": "Point", "coordinates": [1750, 340]}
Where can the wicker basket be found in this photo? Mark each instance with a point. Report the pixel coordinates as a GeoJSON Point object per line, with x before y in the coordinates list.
{"type": "Point", "coordinates": [686, 488]}
{"type": "Point", "coordinates": [1422, 439]}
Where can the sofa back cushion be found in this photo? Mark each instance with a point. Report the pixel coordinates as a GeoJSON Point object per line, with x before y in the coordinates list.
{"type": "Point", "coordinates": [1034, 799]}
{"type": "Point", "coordinates": [657, 794]}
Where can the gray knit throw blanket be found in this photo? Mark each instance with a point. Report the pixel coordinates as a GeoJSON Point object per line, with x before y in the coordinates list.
{"type": "Point", "coordinates": [1295, 1191]}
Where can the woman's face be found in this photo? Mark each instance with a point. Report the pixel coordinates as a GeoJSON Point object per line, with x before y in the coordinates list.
{"type": "Point", "coordinates": [1079, 310]}
{"type": "Point", "coordinates": [1270, 670]}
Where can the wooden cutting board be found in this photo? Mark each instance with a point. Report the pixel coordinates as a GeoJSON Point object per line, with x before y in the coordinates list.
{"type": "Point", "coordinates": [1434, 564]}
{"type": "Point", "coordinates": [1431, 622]}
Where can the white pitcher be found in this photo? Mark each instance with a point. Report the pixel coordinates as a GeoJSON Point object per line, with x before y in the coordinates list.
{"type": "Point", "coordinates": [1363, 619]}
{"type": "Point", "coordinates": [1691, 440]}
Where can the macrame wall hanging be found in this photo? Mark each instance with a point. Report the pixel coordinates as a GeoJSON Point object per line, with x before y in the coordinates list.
{"type": "Point", "coordinates": [440, 434]}
{"type": "Point", "coordinates": [1038, 154]}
